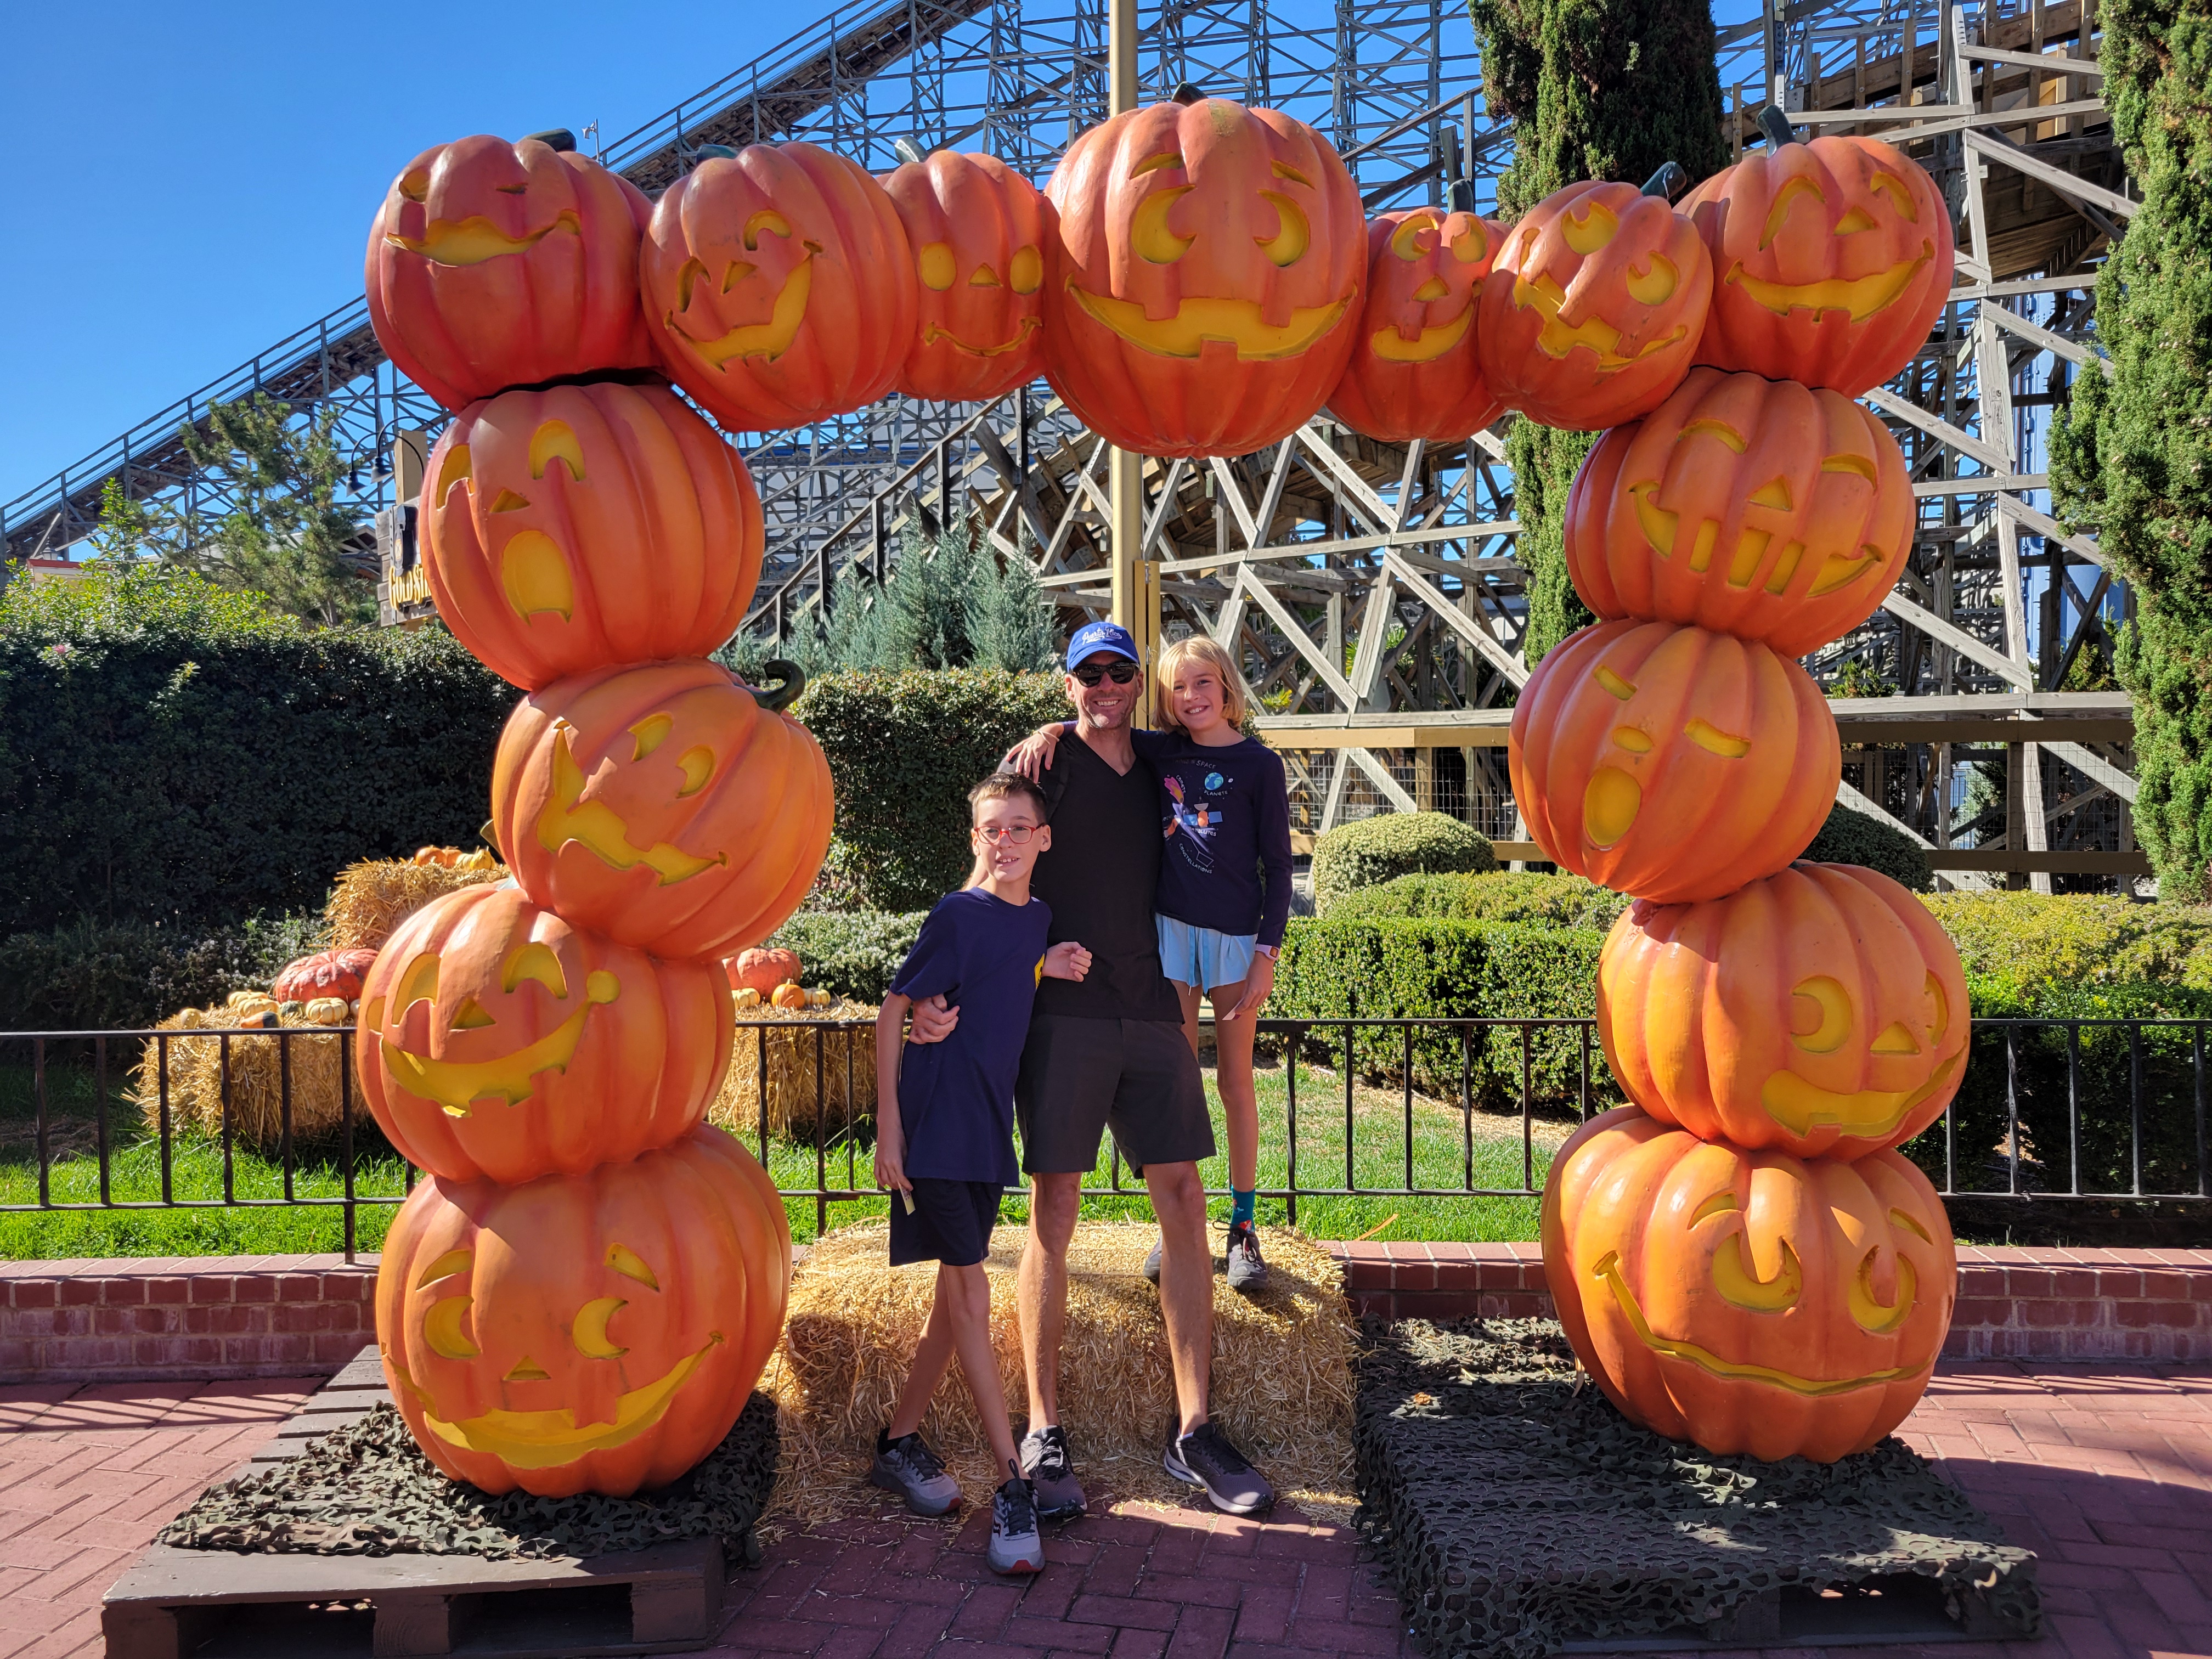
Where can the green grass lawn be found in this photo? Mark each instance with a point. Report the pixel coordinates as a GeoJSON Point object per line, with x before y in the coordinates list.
{"type": "Point", "coordinates": [1447, 1150]}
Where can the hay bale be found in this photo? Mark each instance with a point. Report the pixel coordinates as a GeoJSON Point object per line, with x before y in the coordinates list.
{"type": "Point", "coordinates": [375, 896]}
{"type": "Point", "coordinates": [794, 1113]}
{"type": "Point", "coordinates": [1282, 1369]}
{"type": "Point", "coordinates": [257, 1115]}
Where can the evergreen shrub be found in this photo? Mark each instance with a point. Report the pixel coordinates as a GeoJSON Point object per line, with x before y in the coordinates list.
{"type": "Point", "coordinates": [1853, 837]}
{"type": "Point", "coordinates": [2085, 939]}
{"type": "Point", "coordinates": [93, 976]}
{"type": "Point", "coordinates": [1524, 896]}
{"type": "Point", "coordinates": [850, 953]}
{"type": "Point", "coordinates": [1370, 851]}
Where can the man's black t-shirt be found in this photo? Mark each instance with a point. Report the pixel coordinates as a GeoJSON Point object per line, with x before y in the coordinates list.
{"type": "Point", "coordinates": [1099, 878]}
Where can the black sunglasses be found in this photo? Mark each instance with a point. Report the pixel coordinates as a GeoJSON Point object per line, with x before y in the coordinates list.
{"type": "Point", "coordinates": [1120, 672]}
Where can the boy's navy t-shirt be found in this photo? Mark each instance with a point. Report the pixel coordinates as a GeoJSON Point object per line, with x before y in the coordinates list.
{"type": "Point", "coordinates": [956, 1097]}
{"type": "Point", "coordinates": [1226, 816]}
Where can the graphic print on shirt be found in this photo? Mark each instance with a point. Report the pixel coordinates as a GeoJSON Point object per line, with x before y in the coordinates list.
{"type": "Point", "coordinates": [1198, 821]}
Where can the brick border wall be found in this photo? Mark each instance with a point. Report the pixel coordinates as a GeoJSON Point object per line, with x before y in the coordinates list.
{"type": "Point", "coordinates": [156, 1319]}
{"type": "Point", "coordinates": [2014, 1303]}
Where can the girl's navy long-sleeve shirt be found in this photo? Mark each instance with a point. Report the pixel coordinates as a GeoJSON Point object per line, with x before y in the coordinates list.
{"type": "Point", "coordinates": [1226, 817]}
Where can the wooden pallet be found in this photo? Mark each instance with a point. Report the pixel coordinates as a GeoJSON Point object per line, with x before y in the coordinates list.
{"type": "Point", "coordinates": [224, 1604]}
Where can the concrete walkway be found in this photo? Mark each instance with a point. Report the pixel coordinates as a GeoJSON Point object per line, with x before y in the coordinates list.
{"type": "Point", "coordinates": [2106, 1473]}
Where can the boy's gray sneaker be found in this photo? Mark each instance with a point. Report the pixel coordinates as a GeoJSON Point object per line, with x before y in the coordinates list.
{"type": "Point", "coordinates": [1051, 1474]}
{"type": "Point", "coordinates": [1152, 1262]}
{"type": "Point", "coordinates": [1246, 1272]}
{"type": "Point", "coordinates": [908, 1468]}
{"type": "Point", "coordinates": [1017, 1546]}
{"type": "Point", "coordinates": [1205, 1458]}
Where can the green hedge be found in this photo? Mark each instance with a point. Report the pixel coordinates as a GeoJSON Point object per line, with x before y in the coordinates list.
{"type": "Point", "coordinates": [1526, 896]}
{"type": "Point", "coordinates": [1851, 837]}
{"type": "Point", "coordinates": [850, 953]}
{"type": "Point", "coordinates": [2078, 939]}
{"type": "Point", "coordinates": [1368, 852]}
{"type": "Point", "coordinates": [904, 750]}
{"type": "Point", "coordinates": [96, 978]}
{"type": "Point", "coordinates": [169, 764]}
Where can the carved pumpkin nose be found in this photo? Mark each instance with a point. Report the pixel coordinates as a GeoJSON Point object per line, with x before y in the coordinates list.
{"type": "Point", "coordinates": [1896, 1040]}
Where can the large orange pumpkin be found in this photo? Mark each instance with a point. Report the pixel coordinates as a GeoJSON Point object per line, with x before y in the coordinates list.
{"type": "Point", "coordinates": [1757, 508]}
{"type": "Point", "coordinates": [1414, 372]}
{"type": "Point", "coordinates": [1202, 295]}
{"type": "Point", "coordinates": [779, 285]}
{"type": "Point", "coordinates": [1821, 1012]}
{"type": "Point", "coordinates": [978, 231]}
{"type": "Point", "coordinates": [493, 265]}
{"type": "Point", "coordinates": [661, 805]}
{"type": "Point", "coordinates": [1592, 313]}
{"type": "Point", "coordinates": [762, 971]}
{"type": "Point", "coordinates": [1831, 262]}
{"type": "Point", "coordinates": [1671, 762]}
{"type": "Point", "coordinates": [593, 1333]}
{"type": "Point", "coordinates": [1750, 1302]}
{"type": "Point", "coordinates": [496, 1039]}
{"type": "Point", "coordinates": [588, 525]}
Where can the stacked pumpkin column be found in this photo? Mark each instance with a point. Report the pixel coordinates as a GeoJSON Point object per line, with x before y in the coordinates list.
{"type": "Point", "coordinates": [584, 1291]}
{"type": "Point", "coordinates": [1741, 1258]}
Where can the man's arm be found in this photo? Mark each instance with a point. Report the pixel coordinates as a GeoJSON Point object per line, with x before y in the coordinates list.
{"type": "Point", "coordinates": [934, 1020]}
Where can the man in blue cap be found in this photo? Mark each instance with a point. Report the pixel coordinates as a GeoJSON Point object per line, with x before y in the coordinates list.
{"type": "Point", "coordinates": [1109, 1051]}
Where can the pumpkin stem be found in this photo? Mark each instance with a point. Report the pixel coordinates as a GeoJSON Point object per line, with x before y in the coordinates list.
{"type": "Point", "coordinates": [1775, 125]}
{"type": "Point", "coordinates": [490, 836]}
{"type": "Point", "coordinates": [1187, 94]}
{"type": "Point", "coordinates": [1462, 201]}
{"type": "Point", "coordinates": [906, 150]}
{"type": "Point", "coordinates": [558, 139]}
{"type": "Point", "coordinates": [712, 152]}
{"type": "Point", "coordinates": [792, 681]}
{"type": "Point", "coordinates": [1669, 182]}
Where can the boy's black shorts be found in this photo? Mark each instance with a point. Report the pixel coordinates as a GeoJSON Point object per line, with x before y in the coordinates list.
{"type": "Point", "coordinates": [951, 1221]}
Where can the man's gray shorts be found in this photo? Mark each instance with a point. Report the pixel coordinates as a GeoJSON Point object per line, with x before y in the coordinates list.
{"type": "Point", "coordinates": [1137, 1076]}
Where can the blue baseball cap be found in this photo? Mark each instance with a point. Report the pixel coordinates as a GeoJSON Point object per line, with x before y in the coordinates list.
{"type": "Point", "coordinates": [1093, 637]}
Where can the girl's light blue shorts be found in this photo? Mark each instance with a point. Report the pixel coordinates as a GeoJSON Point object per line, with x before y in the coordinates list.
{"type": "Point", "coordinates": [1201, 957]}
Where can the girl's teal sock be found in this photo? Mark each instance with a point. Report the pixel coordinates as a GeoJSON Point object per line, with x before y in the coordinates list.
{"type": "Point", "coordinates": [1242, 1203]}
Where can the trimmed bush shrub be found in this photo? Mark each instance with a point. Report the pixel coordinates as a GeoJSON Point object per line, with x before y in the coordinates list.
{"type": "Point", "coordinates": [1853, 837]}
{"type": "Point", "coordinates": [1368, 852]}
{"type": "Point", "coordinates": [2078, 939]}
{"type": "Point", "coordinates": [850, 953]}
{"type": "Point", "coordinates": [1561, 901]}
{"type": "Point", "coordinates": [124, 976]}
{"type": "Point", "coordinates": [904, 750]}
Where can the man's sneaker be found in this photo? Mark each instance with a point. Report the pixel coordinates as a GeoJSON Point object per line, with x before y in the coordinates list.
{"type": "Point", "coordinates": [1205, 1458]}
{"type": "Point", "coordinates": [1152, 1262]}
{"type": "Point", "coordinates": [1016, 1544]}
{"type": "Point", "coordinates": [1246, 1272]}
{"type": "Point", "coordinates": [908, 1468]}
{"type": "Point", "coordinates": [1050, 1474]}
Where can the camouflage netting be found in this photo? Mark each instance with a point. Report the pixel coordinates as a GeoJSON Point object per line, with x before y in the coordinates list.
{"type": "Point", "coordinates": [1517, 1513]}
{"type": "Point", "coordinates": [365, 1489]}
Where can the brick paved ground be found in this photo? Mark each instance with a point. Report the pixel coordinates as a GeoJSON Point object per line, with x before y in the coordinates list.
{"type": "Point", "coordinates": [2108, 1475]}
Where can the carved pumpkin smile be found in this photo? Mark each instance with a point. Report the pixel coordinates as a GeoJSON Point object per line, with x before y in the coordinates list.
{"type": "Point", "coordinates": [546, 1439]}
{"type": "Point", "coordinates": [1199, 322]}
{"type": "Point", "coordinates": [1861, 297]}
{"type": "Point", "coordinates": [454, 1085]}
{"type": "Point", "coordinates": [472, 240]}
{"type": "Point", "coordinates": [768, 341]}
{"type": "Point", "coordinates": [932, 333]}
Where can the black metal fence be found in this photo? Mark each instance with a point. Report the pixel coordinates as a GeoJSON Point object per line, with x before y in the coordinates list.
{"type": "Point", "coordinates": [2108, 1110]}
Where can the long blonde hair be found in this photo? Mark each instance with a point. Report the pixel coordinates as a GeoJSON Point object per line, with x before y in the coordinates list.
{"type": "Point", "coordinates": [1236, 696]}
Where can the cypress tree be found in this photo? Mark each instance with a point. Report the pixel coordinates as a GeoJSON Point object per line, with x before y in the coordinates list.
{"type": "Point", "coordinates": [2131, 458]}
{"type": "Point", "coordinates": [1596, 89]}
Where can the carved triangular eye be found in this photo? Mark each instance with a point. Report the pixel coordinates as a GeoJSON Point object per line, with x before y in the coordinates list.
{"type": "Point", "coordinates": [630, 1265]}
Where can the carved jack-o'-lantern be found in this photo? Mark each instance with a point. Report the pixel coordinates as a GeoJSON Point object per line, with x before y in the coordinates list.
{"type": "Point", "coordinates": [544, 510]}
{"type": "Point", "coordinates": [978, 231]}
{"type": "Point", "coordinates": [1414, 372]}
{"type": "Point", "coordinates": [1751, 507]}
{"type": "Point", "coordinates": [661, 805]}
{"type": "Point", "coordinates": [1592, 313]}
{"type": "Point", "coordinates": [1671, 762]}
{"type": "Point", "coordinates": [1202, 295]}
{"type": "Point", "coordinates": [591, 1333]}
{"type": "Point", "coordinates": [496, 1040]}
{"type": "Point", "coordinates": [779, 285]}
{"type": "Point", "coordinates": [493, 265]}
{"type": "Point", "coordinates": [1751, 1302]}
{"type": "Point", "coordinates": [1821, 1011]}
{"type": "Point", "coordinates": [1830, 261]}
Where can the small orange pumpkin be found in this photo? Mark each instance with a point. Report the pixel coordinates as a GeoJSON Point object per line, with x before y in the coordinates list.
{"type": "Point", "coordinates": [978, 231]}
{"type": "Point", "coordinates": [761, 970]}
{"type": "Point", "coordinates": [493, 265]}
{"type": "Point", "coordinates": [779, 285]}
{"type": "Point", "coordinates": [545, 509]}
{"type": "Point", "coordinates": [660, 804]}
{"type": "Point", "coordinates": [1832, 260]}
{"type": "Point", "coordinates": [1202, 293]}
{"type": "Point", "coordinates": [1671, 762]}
{"type": "Point", "coordinates": [1750, 1302]}
{"type": "Point", "coordinates": [586, 1333]}
{"type": "Point", "coordinates": [1414, 371]}
{"type": "Point", "coordinates": [1757, 508]}
{"type": "Point", "coordinates": [1592, 313]}
{"type": "Point", "coordinates": [788, 996]}
{"type": "Point", "coordinates": [1821, 1011]}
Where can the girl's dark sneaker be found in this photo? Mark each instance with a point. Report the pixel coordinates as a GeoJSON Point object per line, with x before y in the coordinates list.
{"type": "Point", "coordinates": [1017, 1546]}
{"type": "Point", "coordinates": [1205, 1458]}
{"type": "Point", "coordinates": [908, 1466]}
{"type": "Point", "coordinates": [1051, 1472]}
{"type": "Point", "coordinates": [1246, 1272]}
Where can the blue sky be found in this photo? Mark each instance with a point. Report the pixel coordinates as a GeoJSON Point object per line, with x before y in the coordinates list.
{"type": "Point", "coordinates": [192, 183]}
